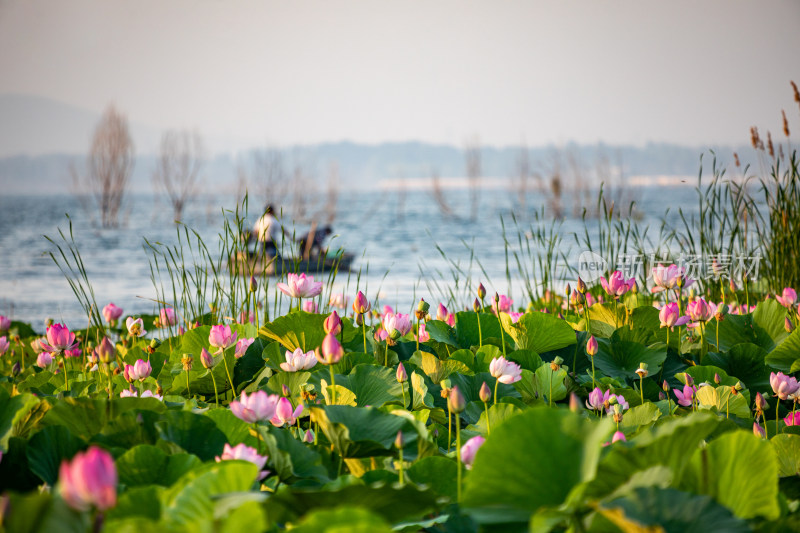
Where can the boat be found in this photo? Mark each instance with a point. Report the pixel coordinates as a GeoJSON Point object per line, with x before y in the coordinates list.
{"type": "Point", "coordinates": [246, 264]}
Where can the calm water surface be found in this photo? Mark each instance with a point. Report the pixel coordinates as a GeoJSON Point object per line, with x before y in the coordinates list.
{"type": "Point", "coordinates": [393, 235]}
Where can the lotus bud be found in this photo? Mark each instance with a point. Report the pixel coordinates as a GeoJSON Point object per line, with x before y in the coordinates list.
{"type": "Point", "coordinates": [206, 359]}
{"type": "Point", "coordinates": [758, 431]}
{"type": "Point", "coordinates": [665, 386]}
{"type": "Point", "coordinates": [732, 286]}
{"type": "Point", "coordinates": [15, 369]}
{"type": "Point", "coordinates": [761, 403]}
{"type": "Point", "coordinates": [485, 393]}
{"type": "Point", "coordinates": [476, 306]}
{"type": "Point", "coordinates": [330, 352]}
{"type": "Point", "coordinates": [618, 436]}
{"type": "Point", "coordinates": [308, 437]}
{"type": "Point", "coordinates": [333, 324]}
{"type": "Point", "coordinates": [361, 305]}
{"type": "Point", "coordinates": [591, 346]}
{"type": "Point", "coordinates": [556, 364]}
{"type": "Point", "coordinates": [456, 401]}
{"type": "Point", "coordinates": [642, 370]}
{"type": "Point", "coordinates": [285, 391]}
{"type": "Point", "coordinates": [568, 290]}
{"type": "Point", "coordinates": [401, 373]}
{"type": "Point", "coordinates": [253, 284]}
{"type": "Point", "coordinates": [186, 361]}
{"type": "Point", "coordinates": [689, 379]}
{"type": "Point", "coordinates": [481, 291]}
{"type": "Point", "coordinates": [662, 396]}
{"type": "Point", "coordinates": [717, 379]}
{"type": "Point", "coordinates": [398, 441]}
{"type": "Point", "coordinates": [581, 286]}
{"type": "Point", "coordinates": [574, 403]}
{"type": "Point", "coordinates": [788, 325]}
{"type": "Point", "coordinates": [105, 351]}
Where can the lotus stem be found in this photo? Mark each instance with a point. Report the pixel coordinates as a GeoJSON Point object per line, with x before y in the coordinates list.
{"type": "Point", "coordinates": [777, 406]}
{"type": "Point", "coordinates": [228, 372]}
{"type": "Point", "coordinates": [502, 337]}
{"type": "Point", "coordinates": [364, 334]}
{"type": "Point", "coordinates": [593, 381]}
{"type": "Point", "coordinates": [188, 390]}
{"type": "Point", "coordinates": [401, 466]}
{"type": "Point", "coordinates": [488, 425]}
{"type": "Point", "coordinates": [403, 387]}
{"type": "Point", "coordinates": [641, 387]}
{"type": "Point", "coordinates": [449, 427]}
{"type": "Point", "coordinates": [480, 333]}
{"type": "Point", "coordinates": [458, 454]}
{"type": "Point", "coordinates": [333, 385]}
{"type": "Point", "coordinates": [66, 377]}
{"type": "Point", "coordinates": [550, 396]}
{"type": "Point", "coordinates": [496, 383]}
{"type": "Point", "coordinates": [214, 381]}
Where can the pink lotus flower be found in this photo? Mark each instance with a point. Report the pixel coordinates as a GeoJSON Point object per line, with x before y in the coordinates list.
{"type": "Point", "coordinates": [135, 327]}
{"type": "Point", "coordinates": [701, 311]}
{"type": "Point", "coordinates": [441, 313]}
{"type": "Point", "coordinates": [131, 393]}
{"type": "Point", "coordinates": [469, 449]}
{"type": "Point", "coordinates": [590, 301]}
{"type": "Point", "coordinates": [339, 301]}
{"type": "Point", "coordinates": [5, 323]}
{"type": "Point", "coordinates": [300, 286]}
{"type": "Point", "coordinates": [36, 345]}
{"type": "Point", "coordinates": [4, 344]}
{"type": "Point", "coordinates": [167, 317]}
{"type": "Point", "coordinates": [503, 304]}
{"type": "Point", "coordinates": [222, 337]}
{"type": "Point", "coordinates": [396, 322]}
{"type": "Point", "coordinates": [788, 299]}
{"type": "Point", "coordinates": [297, 361]}
{"type": "Point", "coordinates": [59, 339]}
{"type": "Point", "coordinates": [331, 352]}
{"type": "Point", "coordinates": [241, 347]}
{"type": "Point", "coordinates": [381, 335]}
{"type": "Point", "coordinates": [758, 431]}
{"type": "Point", "coordinates": [505, 371]}
{"type": "Point", "coordinates": [670, 316]}
{"type": "Point", "coordinates": [515, 316]}
{"type": "Point", "coordinates": [75, 352]}
{"type": "Point", "coordinates": [284, 413]}
{"type": "Point", "coordinates": [623, 403]}
{"type": "Point", "coordinates": [361, 305]}
{"type": "Point", "coordinates": [616, 285]}
{"type": "Point", "coordinates": [782, 385]}
{"type": "Point", "coordinates": [256, 407]}
{"type": "Point", "coordinates": [206, 359]}
{"type": "Point", "coordinates": [686, 397]}
{"type": "Point", "coordinates": [89, 480]}
{"type": "Point", "coordinates": [423, 336]}
{"type": "Point", "coordinates": [598, 399]}
{"type": "Point", "coordinates": [309, 306]}
{"type": "Point", "coordinates": [333, 324]}
{"type": "Point", "coordinates": [792, 419]}
{"type": "Point", "coordinates": [666, 278]}
{"type": "Point", "coordinates": [112, 313]}
{"type": "Point", "coordinates": [243, 452]}
{"type": "Point", "coordinates": [387, 310]}
{"type": "Point", "coordinates": [140, 370]}
{"type": "Point", "coordinates": [44, 360]}
{"type": "Point", "coordinates": [247, 317]}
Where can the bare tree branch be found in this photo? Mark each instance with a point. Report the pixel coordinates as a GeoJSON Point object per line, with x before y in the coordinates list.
{"type": "Point", "coordinates": [181, 157]}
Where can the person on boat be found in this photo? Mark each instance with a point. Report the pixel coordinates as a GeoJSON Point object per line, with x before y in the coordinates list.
{"type": "Point", "coordinates": [312, 241]}
{"type": "Point", "coordinates": [268, 231]}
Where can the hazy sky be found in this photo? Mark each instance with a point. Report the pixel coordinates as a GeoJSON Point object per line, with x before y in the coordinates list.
{"type": "Point", "coordinates": [308, 71]}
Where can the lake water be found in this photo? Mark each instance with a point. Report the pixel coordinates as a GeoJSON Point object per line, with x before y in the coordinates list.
{"type": "Point", "coordinates": [393, 233]}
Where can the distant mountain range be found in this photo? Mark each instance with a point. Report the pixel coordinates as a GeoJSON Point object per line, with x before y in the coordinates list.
{"type": "Point", "coordinates": [62, 134]}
